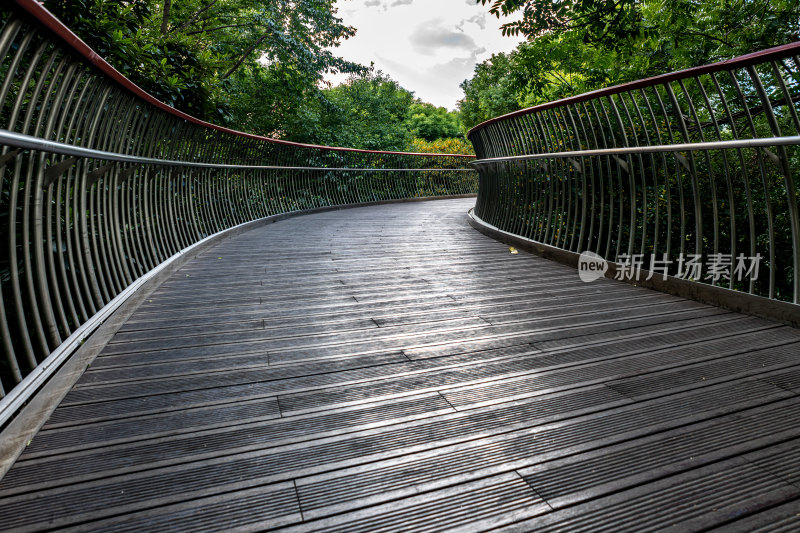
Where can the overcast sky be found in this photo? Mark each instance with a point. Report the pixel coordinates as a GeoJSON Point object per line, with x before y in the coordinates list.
{"type": "Point", "coordinates": [428, 46]}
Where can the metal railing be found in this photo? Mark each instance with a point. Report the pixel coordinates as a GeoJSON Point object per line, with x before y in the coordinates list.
{"type": "Point", "coordinates": [692, 174]}
{"type": "Point", "coordinates": [100, 184]}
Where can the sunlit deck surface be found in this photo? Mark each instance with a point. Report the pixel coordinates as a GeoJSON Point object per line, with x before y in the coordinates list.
{"type": "Point", "coordinates": [391, 368]}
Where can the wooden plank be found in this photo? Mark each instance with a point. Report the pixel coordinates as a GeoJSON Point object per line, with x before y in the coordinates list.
{"type": "Point", "coordinates": [390, 367]}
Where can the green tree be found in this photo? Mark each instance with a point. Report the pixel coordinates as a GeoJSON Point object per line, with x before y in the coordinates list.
{"type": "Point", "coordinates": [490, 92]}
{"type": "Point", "coordinates": [556, 66]}
{"type": "Point", "coordinates": [189, 53]}
{"type": "Point", "coordinates": [426, 121]}
{"type": "Point", "coordinates": [688, 33]}
{"type": "Point", "coordinates": [598, 21]}
{"type": "Point", "coordinates": [368, 111]}
{"type": "Point", "coordinates": [718, 28]}
{"type": "Point", "coordinates": [451, 145]}
{"type": "Point", "coordinates": [578, 46]}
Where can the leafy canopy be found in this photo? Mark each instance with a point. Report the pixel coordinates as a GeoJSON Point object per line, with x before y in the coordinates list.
{"type": "Point", "coordinates": [187, 53]}
{"type": "Point", "coordinates": [578, 46]}
{"type": "Point", "coordinates": [256, 66]}
{"type": "Point", "coordinates": [426, 121]}
{"type": "Point", "coordinates": [599, 21]}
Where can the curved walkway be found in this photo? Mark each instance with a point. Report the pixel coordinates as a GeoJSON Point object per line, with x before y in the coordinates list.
{"type": "Point", "coordinates": [390, 367]}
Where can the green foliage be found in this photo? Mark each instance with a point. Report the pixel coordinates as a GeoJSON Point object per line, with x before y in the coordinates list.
{"type": "Point", "coordinates": [191, 54]}
{"type": "Point", "coordinates": [255, 66]}
{"type": "Point", "coordinates": [688, 33]}
{"type": "Point", "coordinates": [490, 93]}
{"type": "Point", "coordinates": [598, 21]}
{"type": "Point", "coordinates": [453, 145]}
{"type": "Point", "coordinates": [367, 111]}
{"type": "Point", "coordinates": [578, 46]}
{"type": "Point", "coordinates": [429, 122]}
{"type": "Point", "coordinates": [279, 101]}
{"type": "Point", "coordinates": [370, 111]}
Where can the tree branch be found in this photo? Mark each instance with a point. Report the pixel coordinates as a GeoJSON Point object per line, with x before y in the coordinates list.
{"type": "Point", "coordinates": [217, 28]}
{"type": "Point", "coordinates": [165, 16]}
{"type": "Point", "coordinates": [710, 37]}
{"type": "Point", "coordinates": [194, 17]}
{"type": "Point", "coordinates": [241, 59]}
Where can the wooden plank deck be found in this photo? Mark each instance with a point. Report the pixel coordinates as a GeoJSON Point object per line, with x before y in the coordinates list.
{"type": "Point", "coordinates": [390, 368]}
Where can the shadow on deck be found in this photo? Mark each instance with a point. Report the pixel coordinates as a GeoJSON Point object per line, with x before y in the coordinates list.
{"type": "Point", "coordinates": [391, 368]}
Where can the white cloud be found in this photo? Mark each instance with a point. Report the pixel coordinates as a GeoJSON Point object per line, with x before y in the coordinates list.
{"type": "Point", "coordinates": [433, 35]}
{"type": "Point", "coordinates": [479, 20]}
{"type": "Point", "coordinates": [428, 47]}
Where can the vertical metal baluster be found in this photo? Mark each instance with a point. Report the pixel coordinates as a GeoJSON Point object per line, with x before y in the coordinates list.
{"type": "Point", "coordinates": [101, 270]}
{"type": "Point", "coordinates": [681, 200]}
{"type": "Point", "coordinates": [764, 183]}
{"type": "Point", "coordinates": [494, 179]}
{"type": "Point", "coordinates": [596, 174]}
{"type": "Point", "coordinates": [548, 222]}
{"type": "Point", "coordinates": [150, 189]}
{"type": "Point", "coordinates": [49, 299]}
{"type": "Point", "coordinates": [172, 220]}
{"type": "Point", "coordinates": [579, 191]}
{"type": "Point", "coordinates": [5, 41]}
{"type": "Point", "coordinates": [8, 34]}
{"type": "Point", "coordinates": [169, 221]}
{"type": "Point", "coordinates": [190, 212]}
{"type": "Point", "coordinates": [788, 180]}
{"type": "Point", "coordinates": [117, 228]}
{"type": "Point", "coordinates": [150, 218]}
{"type": "Point", "coordinates": [583, 141]}
{"type": "Point", "coordinates": [697, 199]}
{"type": "Point", "coordinates": [656, 186]}
{"type": "Point", "coordinates": [564, 181]}
{"type": "Point", "coordinates": [543, 179]}
{"type": "Point", "coordinates": [46, 285]}
{"type": "Point", "coordinates": [620, 190]}
{"type": "Point", "coordinates": [88, 267]}
{"type": "Point", "coordinates": [728, 181]}
{"type": "Point", "coordinates": [642, 170]}
{"type": "Point", "coordinates": [33, 314]}
{"type": "Point", "coordinates": [776, 71]}
{"type": "Point", "coordinates": [208, 201]}
{"type": "Point", "coordinates": [112, 210]}
{"type": "Point", "coordinates": [600, 143]}
{"type": "Point", "coordinates": [631, 177]}
{"type": "Point", "coordinates": [515, 219]}
{"type": "Point", "coordinates": [711, 178]}
{"type": "Point", "coordinates": [109, 255]}
{"type": "Point", "coordinates": [532, 183]}
{"type": "Point", "coordinates": [745, 179]}
{"type": "Point", "coordinates": [183, 225]}
{"type": "Point", "coordinates": [139, 204]}
{"type": "Point", "coordinates": [130, 232]}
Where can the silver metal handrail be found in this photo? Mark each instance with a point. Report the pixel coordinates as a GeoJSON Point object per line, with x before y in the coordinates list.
{"type": "Point", "coordinates": [701, 165]}
{"type": "Point", "coordinates": [102, 186]}
{"type": "Point", "coordinates": [679, 147]}
{"type": "Point", "coordinates": [29, 142]}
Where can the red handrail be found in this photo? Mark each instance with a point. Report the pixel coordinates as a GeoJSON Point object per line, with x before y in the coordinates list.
{"type": "Point", "coordinates": [47, 19]}
{"type": "Point", "coordinates": [729, 64]}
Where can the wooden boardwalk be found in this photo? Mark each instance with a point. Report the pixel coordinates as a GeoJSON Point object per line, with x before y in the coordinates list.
{"type": "Point", "coordinates": [390, 368]}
